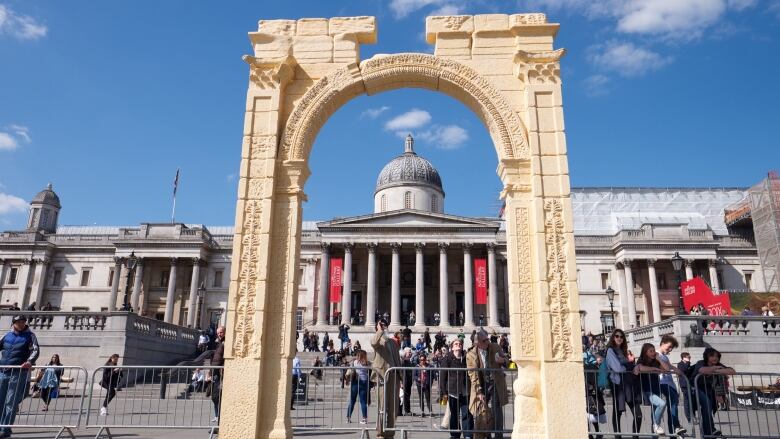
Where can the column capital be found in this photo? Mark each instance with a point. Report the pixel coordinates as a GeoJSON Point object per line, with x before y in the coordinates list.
{"type": "Point", "coordinates": [26, 261]}
{"type": "Point", "coordinates": [712, 262]}
{"type": "Point", "coordinates": [348, 246]}
{"type": "Point", "coordinates": [41, 261]}
{"type": "Point", "coordinates": [689, 262]}
{"type": "Point", "coordinates": [325, 246]}
{"type": "Point", "coordinates": [396, 246]}
{"type": "Point", "coordinates": [174, 261]}
{"type": "Point", "coordinates": [467, 247]}
{"type": "Point", "coordinates": [651, 262]}
{"type": "Point", "coordinates": [419, 246]}
{"type": "Point", "coordinates": [372, 247]}
{"type": "Point", "coordinates": [626, 262]}
{"type": "Point", "coordinates": [197, 261]}
{"type": "Point", "coordinates": [491, 247]}
{"type": "Point", "coordinates": [443, 247]}
{"type": "Point", "coordinates": [118, 260]}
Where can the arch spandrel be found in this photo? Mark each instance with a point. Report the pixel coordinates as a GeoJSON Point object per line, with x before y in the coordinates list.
{"type": "Point", "coordinates": [389, 72]}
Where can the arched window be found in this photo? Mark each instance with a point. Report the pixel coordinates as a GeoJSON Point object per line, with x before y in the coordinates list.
{"type": "Point", "coordinates": [383, 203]}
{"type": "Point", "coordinates": [434, 203]}
{"type": "Point", "coordinates": [407, 200]}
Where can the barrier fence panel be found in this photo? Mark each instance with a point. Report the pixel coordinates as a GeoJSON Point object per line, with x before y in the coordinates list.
{"type": "Point", "coordinates": [181, 397]}
{"type": "Point", "coordinates": [436, 399]}
{"type": "Point", "coordinates": [46, 397]}
{"type": "Point", "coordinates": [331, 399]}
{"type": "Point", "coordinates": [647, 404]}
{"type": "Point", "coordinates": [741, 405]}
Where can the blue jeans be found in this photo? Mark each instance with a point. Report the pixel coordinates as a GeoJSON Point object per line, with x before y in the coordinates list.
{"type": "Point", "coordinates": [705, 412]}
{"type": "Point", "coordinates": [659, 405]}
{"type": "Point", "coordinates": [13, 384]}
{"type": "Point", "coordinates": [460, 417]}
{"type": "Point", "coordinates": [672, 402]}
{"type": "Point", "coordinates": [358, 388]}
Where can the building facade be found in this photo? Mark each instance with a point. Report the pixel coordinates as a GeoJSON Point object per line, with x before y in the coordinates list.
{"type": "Point", "coordinates": [407, 256]}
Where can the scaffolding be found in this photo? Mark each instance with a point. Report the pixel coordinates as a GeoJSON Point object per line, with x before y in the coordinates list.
{"type": "Point", "coordinates": [765, 214]}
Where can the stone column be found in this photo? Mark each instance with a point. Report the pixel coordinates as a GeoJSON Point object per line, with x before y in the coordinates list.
{"type": "Point", "coordinates": [346, 295]}
{"type": "Point", "coordinates": [395, 288]}
{"type": "Point", "coordinates": [324, 293]}
{"type": "Point", "coordinates": [631, 300]}
{"type": "Point", "coordinates": [115, 283]}
{"type": "Point", "coordinates": [419, 285]}
{"type": "Point", "coordinates": [492, 288]}
{"type": "Point", "coordinates": [139, 275]}
{"type": "Point", "coordinates": [444, 294]}
{"type": "Point", "coordinates": [2, 272]}
{"type": "Point", "coordinates": [654, 299]}
{"type": "Point", "coordinates": [468, 287]}
{"type": "Point", "coordinates": [619, 282]}
{"type": "Point", "coordinates": [689, 268]}
{"type": "Point", "coordinates": [194, 283]}
{"type": "Point", "coordinates": [39, 280]}
{"type": "Point", "coordinates": [170, 298]}
{"type": "Point", "coordinates": [371, 287]}
{"type": "Point", "coordinates": [713, 265]}
{"type": "Point", "coordinates": [24, 281]}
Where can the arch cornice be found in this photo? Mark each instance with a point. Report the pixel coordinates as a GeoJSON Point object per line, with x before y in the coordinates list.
{"type": "Point", "coordinates": [387, 72]}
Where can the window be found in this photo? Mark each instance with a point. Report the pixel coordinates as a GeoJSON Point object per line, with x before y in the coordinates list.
{"type": "Point", "coordinates": [354, 272]}
{"type": "Point", "coordinates": [85, 272]}
{"type": "Point", "coordinates": [607, 322]}
{"type": "Point", "coordinates": [299, 319]}
{"type": "Point", "coordinates": [164, 275]}
{"type": "Point", "coordinates": [749, 280]}
{"type": "Point", "coordinates": [218, 278]}
{"type": "Point", "coordinates": [302, 276]}
{"type": "Point", "coordinates": [111, 276]}
{"type": "Point", "coordinates": [56, 278]}
{"type": "Point", "coordinates": [383, 203]}
{"type": "Point", "coordinates": [434, 203]}
{"type": "Point", "coordinates": [579, 286]}
{"type": "Point", "coordinates": [13, 275]}
{"type": "Point", "coordinates": [661, 280]}
{"type": "Point", "coordinates": [604, 281]}
{"type": "Point", "coordinates": [407, 200]}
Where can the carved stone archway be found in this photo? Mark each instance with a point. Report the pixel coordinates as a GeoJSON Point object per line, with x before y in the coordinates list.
{"type": "Point", "coordinates": [504, 68]}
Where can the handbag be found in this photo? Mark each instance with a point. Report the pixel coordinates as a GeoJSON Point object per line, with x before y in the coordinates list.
{"type": "Point", "coordinates": [349, 376]}
{"type": "Point", "coordinates": [445, 420]}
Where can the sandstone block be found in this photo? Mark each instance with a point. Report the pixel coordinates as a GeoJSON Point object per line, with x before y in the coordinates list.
{"type": "Point", "coordinates": [527, 19]}
{"type": "Point", "coordinates": [363, 27]}
{"type": "Point", "coordinates": [270, 46]}
{"type": "Point", "coordinates": [435, 27]}
{"type": "Point", "coordinates": [491, 23]}
{"type": "Point", "coordinates": [345, 48]}
{"type": "Point", "coordinates": [312, 26]}
{"type": "Point", "coordinates": [277, 27]}
{"type": "Point", "coordinates": [318, 49]}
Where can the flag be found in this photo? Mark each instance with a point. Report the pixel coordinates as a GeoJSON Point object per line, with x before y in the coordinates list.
{"type": "Point", "coordinates": [176, 182]}
{"type": "Point", "coordinates": [480, 281]}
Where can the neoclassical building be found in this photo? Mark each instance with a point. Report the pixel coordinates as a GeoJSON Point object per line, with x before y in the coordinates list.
{"type": "Point", "coordinates": [408, 255]}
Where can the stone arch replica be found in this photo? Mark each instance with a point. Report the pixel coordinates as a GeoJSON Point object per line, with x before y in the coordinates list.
{"type": "Point", "coordinates": [505, 69]}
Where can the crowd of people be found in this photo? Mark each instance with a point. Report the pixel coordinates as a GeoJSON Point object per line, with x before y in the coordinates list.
{"type": "Point", "coordinates": [649, 379]}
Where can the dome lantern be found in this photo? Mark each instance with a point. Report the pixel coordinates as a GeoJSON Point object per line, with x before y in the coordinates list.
{"type": "Point", "coordinates": [409, 182]}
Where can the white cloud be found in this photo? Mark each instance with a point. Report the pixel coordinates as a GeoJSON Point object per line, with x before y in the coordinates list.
{"type": "Point", "coordinates": [596, 85]}
{"type": "Point", "coordinates": [625, 58]}
{"type": "Point", "coordinates": [774, 8]}
{"type": "Point", "coordinates": [7, 142]}
{"type": "Point", "coordinates": [21, 131]}
{"type": "Point", "coordinates": [739, 5]}
{"type": "Point", "coordinates": [444, 136]}
{"type": "Point", "coordinates": [402, 8]}
{"type": "Point", "coordinates": [412, 119]}
{"type": "Point", "coordinates": [448, 9]}
{"type": "Point", "coordinates": [230, 177]}
{"type": "Point", "coordinates": [11, 204]}
{"type": "Point", "coordinates": [373, 113]}
{"type": "Point", "coordinates": [20, 26]}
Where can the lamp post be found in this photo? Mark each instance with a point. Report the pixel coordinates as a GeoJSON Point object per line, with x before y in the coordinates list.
{"type": "Point", "coordinates": [130, 263]}
{"type": "Point", "coordinates": [677, 264]}
{"type": "Point", "coordinates": [201, 295]}
{"type": "Point", "coordinates": [611, 296]}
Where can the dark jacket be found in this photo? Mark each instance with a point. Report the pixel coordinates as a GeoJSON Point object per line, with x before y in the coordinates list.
{"type": "Point", "coordinates": [111, 376]}
{"type": "Point", "coordinates": [218, 359]}
{"type": "Point", "coordinates": [18, 348]}
{"type": "Point", "coordinates": [455, 383]}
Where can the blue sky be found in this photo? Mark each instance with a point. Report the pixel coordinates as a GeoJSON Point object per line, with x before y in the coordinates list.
{"type": "Point", "coordinates": [106, 99]}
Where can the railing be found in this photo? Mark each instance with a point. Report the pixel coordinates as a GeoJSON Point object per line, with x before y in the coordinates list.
{"type": "Point", "coordinates": [682, 326]}
{"type": "Point", "coordinates": [160, 329]}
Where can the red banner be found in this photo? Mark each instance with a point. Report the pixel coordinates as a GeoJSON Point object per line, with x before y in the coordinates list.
{"type": "Point", "coordinates": [480, 281]}
{"type": "Point", "coordinates": [696, 291]}
{"type": "Point", "coordinates": [336, 278]}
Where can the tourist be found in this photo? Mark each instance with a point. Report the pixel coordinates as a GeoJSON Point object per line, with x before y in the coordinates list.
{"type": "Point", "coordinates": [110, 381]}
{"type": "Point", "coordinates": [412, 318]}
{"type": "Point", "coordinates": [668, 388]}
{"type": "Point", "coordinates": [306, 340]}
{"type": "Point", "coordinates": [203, 341]}
{"type": "Point", "coordinates": [406, 341]}
{"type": "Point", "coordinates": [15, 307]}
{"type": "Point", "coordinates": [685, 368]}
{"type": "Point", "coordinates": [427, 339]}
{"type": "Point", "coordinates": [422, 378]}
{"type": "Point", "coordinates": [712, 374]}
{"type": "Point", "coordinates": [454, 386]}
{"type": "Point", "coordinates": [766, 312]}
{"type": "Point", "coordinates": [19, 347]}
{"type": "Point", "coordinates": [344, 334]}
{"type": "Point", "coordinates": [361, 318]}
{"type": "Point", "coordinates": [359, 386]}
{"type": "Point", "coordinates": [648, 368]}
{"type": "Point", "coordinates": [461, 335]}
{"type": "Point", "coordinates": [325, 342]}
{"type": "Point", "coordinates": [217, 360]}
{"type": "Point", "coordinates": [296, 379]}
{"type": "Point", "coordinates": [436, 319]}
{"type": "Point", "coordinates": [407, 378]}
{"type": "Point", "coordinates": [49, 383]}
{"type": "Point", "coordinates": [775, 385]}
{"type": "Point", "coordinates": [488, 386]}
{"type": "Point", "coordinates": [461, 319]}
{"type": "Point", "coordinates": [594, 392]}
{"type": "Point", "coordinates": [624, 386]}
{"type": "Point", "coordinates": [420, 345]}
{"type": "Point", "coordinates": [385, 357]}
{"type": "Point", "coordinates": [197, 381]}
{"type": "Point", "coordinates": [47, 307]}
{"type": "Point", "coordinates": [31, 307]}
{"type": "Point", "coordinates": [503, 342]}
{"type": "Point", "coordinates": [482, 320]}
{"type": "Point", "coordinates": [316, 369]}
{"type": "Point", "coordinates": [747, 312]}
{"type": "Point", "coordinates": [356, 347]}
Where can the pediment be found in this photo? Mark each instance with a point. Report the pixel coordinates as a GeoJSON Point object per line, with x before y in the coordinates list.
{"type": "Point", "coordinates": [408, 219]}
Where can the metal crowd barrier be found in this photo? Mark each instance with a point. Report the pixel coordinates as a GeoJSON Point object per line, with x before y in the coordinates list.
{"type": "Point", "coordinates": [621, 404]}
{"type": "Point", "coordinates": [743, 405]}
{"type": "Point", "coordinates": [322, 397]}
{"type": "Point", "coordinates": [47, 397]}
{"type": "Point", "coordinates": [163, 397]}
{"type": "Point", "coordinates": [420, 408]}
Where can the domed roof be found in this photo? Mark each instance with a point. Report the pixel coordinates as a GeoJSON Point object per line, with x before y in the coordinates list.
{"type": "Point", "coordinates": [408, 168]}
{"type": "Point", "coordinates": [47, 196]}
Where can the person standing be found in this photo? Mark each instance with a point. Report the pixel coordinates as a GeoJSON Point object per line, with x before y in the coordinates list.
{"type": "Point", "coordinates": [19, 347]}
{"type": "Point", "coordinates": [668, 388]}
{"type": "Point", "coordinates": [296, 379]}
{"type": "Point", "coordinates": [359, 386]}
{"type": "Point", "coordinates": [408, 378]}
{"type": "Point", "coordinates": [110, 381]}
{"type": "Point", "coordinates": [216, 374]}
{"type": "Point", "coordinates": [422, 378]}
{"type": "Point", "coordinates": [624, 386]}
{"type": "Point", "coordinates": [427, 339]}
{"type": "Point", "coordinates": [712, 373]}
{"type": "Point", "coordinates": [385, 357]}
{"type": "Point", "coordinates": [407, 337]}
{"type": "Point", "coordinates": [454, 386]}
{"type": "Point", "coordinates": [488, 384]}
{"type": "Point", "coordinates": [50, 381]}
{"type": "Point", "coordinates": [685, 368]}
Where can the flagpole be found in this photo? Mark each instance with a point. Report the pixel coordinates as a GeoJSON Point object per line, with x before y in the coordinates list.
{"type": "Point", "coordinates": [173, 213]}
{"type": "Point", "coordinates": [175, 188]}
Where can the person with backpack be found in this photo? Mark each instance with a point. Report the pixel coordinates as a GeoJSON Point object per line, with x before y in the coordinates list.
{"type": "Point", "coordinates": [624, 386]}
{"type": "Point", "coordinates": [668, 388]}
{"type": "Point", "coordinates": [594, 390]}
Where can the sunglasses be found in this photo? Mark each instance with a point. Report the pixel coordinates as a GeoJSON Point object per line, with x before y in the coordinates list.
{"type": "Point", "coordinates": [618, 336]}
